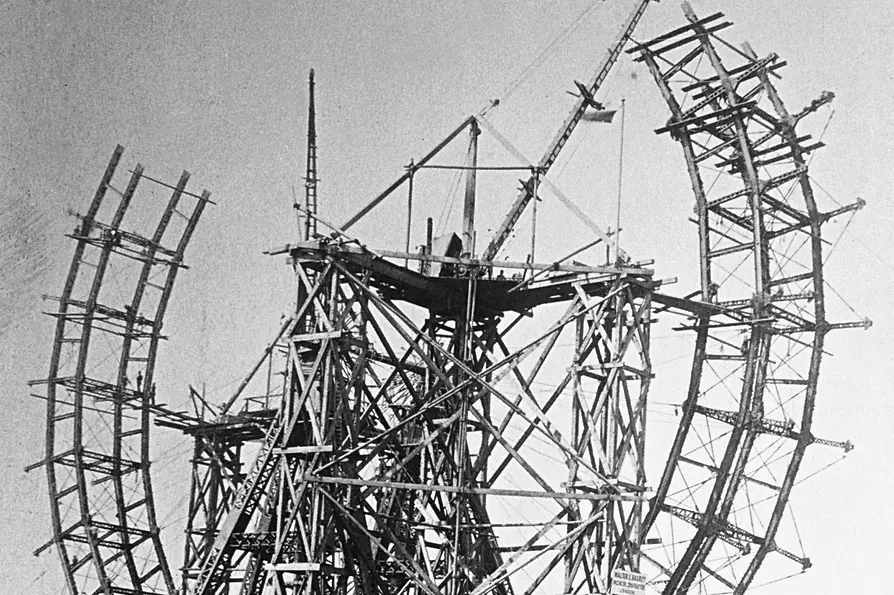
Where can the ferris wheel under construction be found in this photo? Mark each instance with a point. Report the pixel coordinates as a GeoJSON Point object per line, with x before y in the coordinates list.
{"type": "Point", "coordinates": [400, 444]}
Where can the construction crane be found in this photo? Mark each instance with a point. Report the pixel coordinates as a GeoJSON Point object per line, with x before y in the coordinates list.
{"type": "Point", "coordinates": [585, 101]}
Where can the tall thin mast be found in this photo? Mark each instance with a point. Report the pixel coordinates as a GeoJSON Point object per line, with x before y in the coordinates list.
{"type": "Point", "coordinates": [471, 181]}
{"type": "Point", "coordinates": [310, 178]}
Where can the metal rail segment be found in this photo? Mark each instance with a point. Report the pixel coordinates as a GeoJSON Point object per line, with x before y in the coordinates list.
{"type": "Point", "coordinates": [101, 400]}
{"type": "Point", "coordinates": [756, 392]}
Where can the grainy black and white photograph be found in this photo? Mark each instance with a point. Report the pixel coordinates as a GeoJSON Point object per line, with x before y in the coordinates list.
{"type": "Point", "coordinates": [446, 298]}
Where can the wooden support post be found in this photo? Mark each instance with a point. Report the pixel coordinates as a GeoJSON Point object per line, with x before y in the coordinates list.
{"type": "Point", "coordinates": [535, 182]}
{"type": "Point", "coordinates": [471, 180]}
{"type": "Point", "coordinates": [412, 170]}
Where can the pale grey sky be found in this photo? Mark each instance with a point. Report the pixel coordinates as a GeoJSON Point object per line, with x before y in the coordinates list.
{"type": "Point", "coordinates": [218, 88]}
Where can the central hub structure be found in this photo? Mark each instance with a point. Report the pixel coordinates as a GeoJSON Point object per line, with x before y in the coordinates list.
{"type": "Point", "coordinates": [431, 436]}
{"type": "Point", "coordinates": [415, 450]}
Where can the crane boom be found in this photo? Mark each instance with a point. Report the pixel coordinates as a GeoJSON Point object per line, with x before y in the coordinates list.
{"type": "Point", "coordinates": [558, 142]}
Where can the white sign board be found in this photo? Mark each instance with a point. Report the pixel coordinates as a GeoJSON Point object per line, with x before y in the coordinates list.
{"type": "Point", "coordinates": [627, 582]}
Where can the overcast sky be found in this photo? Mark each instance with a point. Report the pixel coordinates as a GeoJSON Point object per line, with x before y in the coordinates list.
{"type": "Point", "coordinates": [219, 89]}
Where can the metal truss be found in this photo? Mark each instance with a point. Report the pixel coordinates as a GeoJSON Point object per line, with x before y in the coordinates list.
{"type": "Point", "coordinates": [746, 420]}
{"type": "Point", "coordinates": [414, 453]}
{"type": "Point", "coordinates": [217, 472]}
{"type": "Point", "coordinates": [454, 433]}
{"type": "Point", "coordinates": [100, 400]}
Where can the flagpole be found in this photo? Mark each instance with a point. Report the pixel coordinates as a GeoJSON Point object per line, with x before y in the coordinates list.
{"type": "Point", "coordinates": [620, 181]}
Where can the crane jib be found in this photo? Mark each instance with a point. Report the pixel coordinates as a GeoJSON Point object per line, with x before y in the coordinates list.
{"type": "Point", "coordinates": [561, 138]}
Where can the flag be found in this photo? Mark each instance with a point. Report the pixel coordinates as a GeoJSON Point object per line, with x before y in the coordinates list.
{"type": "Point", "coordinates": [605, 116]}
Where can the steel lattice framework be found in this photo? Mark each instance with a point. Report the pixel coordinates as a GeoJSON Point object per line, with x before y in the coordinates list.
{"type": "Point", "coordinates": [756, 396]}
{"type": "Point", "coordinates": [396, 440]}
{"type": "Point", "coordinates": [100, 408]}
{"type": "Point", "coordinates": [409, 448]}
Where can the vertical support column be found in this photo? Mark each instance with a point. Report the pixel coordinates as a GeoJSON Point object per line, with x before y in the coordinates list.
{"type": "Point", "coordinates": [617, 254]}
{"type": "Point", "coordinates": [412, 170]}
{"type": "Point", "coordinates": [55, 443]}
{"type": "Point", "coordinates": [310, 178]}
{"type": "Point", "coordinates": [579, 415]}
{"type": "Point", "coordinates": [424, 265]}
{"type": "Point", "coordinates": [471, 181]}
{"type": "Point", "coordinates": [535, 181]}
{"type": "Point", "coordinates": [610, 388]}
{"type": "Point", "coordinates": [632, 372]}
{"type": "Point", "coordinates": [216, 467]}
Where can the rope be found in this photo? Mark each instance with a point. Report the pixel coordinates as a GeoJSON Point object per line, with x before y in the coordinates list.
{"type": "Point", "coordinates": [451, 200]}
{"type": "Point", "coordinates": [805, 478]}
{"type": "Point", "coordinates": [820, 470]}
{"type": "Point", "coordinates": [576, 142]}
{"type": "Point", "coordinates": [686, 94]}
{"type": "Point", "coordinates": [854, 312]}
{"type": "Point", "coordinates": [784, 578]}
{"type": "Point", "coordinates": [797, 531]}
{"type": "Point", "coordinates": [816, 183]}
{"type": "Point", "coordinates": [791, 190]}
{"type": "Point", "coordinates": [873, 252]}
{"type": "Point", "coordinates": [541, 57]}
{"type": "Point", "coordinates": [838, 239]}
{"type": "Point", "coordinates": [822, 134]}
{"type": "Point", "coordinates": [620, 182]}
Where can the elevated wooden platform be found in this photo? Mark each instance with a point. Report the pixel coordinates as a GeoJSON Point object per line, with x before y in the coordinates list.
{"type": "Point", "coordinates": [447, 291]}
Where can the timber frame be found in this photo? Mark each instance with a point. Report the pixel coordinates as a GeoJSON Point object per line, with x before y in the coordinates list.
{"type": "Point", "coordinates": [440, 429]}
{"type": "Point", "coordinates": [99, 406]}
{"type": "Point", "coordinates": [751, 393]}
{"type": "Point", "coordinates": [405, 435]}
